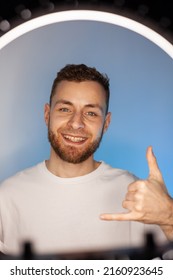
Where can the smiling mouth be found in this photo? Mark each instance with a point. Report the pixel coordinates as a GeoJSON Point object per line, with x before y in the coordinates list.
{"type": "Point", "coordinates": [74, 139]}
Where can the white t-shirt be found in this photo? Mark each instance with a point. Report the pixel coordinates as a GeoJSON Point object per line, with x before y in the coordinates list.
{"type": "Point", "coordinates": [61, 215]}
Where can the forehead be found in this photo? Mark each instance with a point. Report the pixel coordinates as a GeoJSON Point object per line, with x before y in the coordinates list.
{"type": "Point", "coordinates": [83, 92]}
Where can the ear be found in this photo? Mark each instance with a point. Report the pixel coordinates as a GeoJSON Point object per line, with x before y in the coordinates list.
{"type": "Point", "coordinates": [46, 113]}
{"type": "Point", "coordinates": [107, 121]}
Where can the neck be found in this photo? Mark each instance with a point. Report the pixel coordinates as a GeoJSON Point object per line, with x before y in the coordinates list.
{"type": "Point", "coordinates": [64, 169]}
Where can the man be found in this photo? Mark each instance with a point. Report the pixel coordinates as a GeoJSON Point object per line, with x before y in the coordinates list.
{"type": "Point", "coordinates": [59, 204]}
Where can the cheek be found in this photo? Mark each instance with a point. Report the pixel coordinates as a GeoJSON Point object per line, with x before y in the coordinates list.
{"type": "Point", "coordinates": [99, 133]}
{"type": "Point", "coordinates": [97, 129]}
{"type": "Point", "coordinates": [56, 122]}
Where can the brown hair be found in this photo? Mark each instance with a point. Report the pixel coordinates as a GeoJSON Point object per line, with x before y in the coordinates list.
{"type": "Point", "coordinates": [79, 73]}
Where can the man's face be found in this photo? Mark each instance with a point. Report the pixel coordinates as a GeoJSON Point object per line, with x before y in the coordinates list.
{"type": "Point", "coordinates": [76, 120]}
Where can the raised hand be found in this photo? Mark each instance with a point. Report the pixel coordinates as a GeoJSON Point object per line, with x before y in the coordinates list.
{"type": "Point", "coordinates": [147, 201]}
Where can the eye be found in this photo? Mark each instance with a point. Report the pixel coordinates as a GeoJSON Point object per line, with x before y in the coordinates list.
{"type": "Point", "coordinates": [64, 109]}
{"type": "Point", "coordinates": [92, 114]}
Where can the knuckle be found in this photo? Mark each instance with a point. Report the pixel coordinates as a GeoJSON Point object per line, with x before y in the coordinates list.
{"type": "Point", "coordinates": [142, 183]}
{"type": "Point", "coordinates": [138, 207]}
{"type": "Point", "coordinates": [139, 197]}
{"type": "Point", "coordinates": [142, 186]}
{"type": "Point", "coordinates": [125, 204]}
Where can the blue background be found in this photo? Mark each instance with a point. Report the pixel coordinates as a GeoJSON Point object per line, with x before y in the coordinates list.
{"type": "Point", "coordinates": [141, 78]}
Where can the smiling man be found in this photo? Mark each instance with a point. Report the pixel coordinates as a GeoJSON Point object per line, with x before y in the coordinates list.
{"type": "Point", "coordinates": [76, 121]}
{"type": "Point", "coordinates": [63, 203]}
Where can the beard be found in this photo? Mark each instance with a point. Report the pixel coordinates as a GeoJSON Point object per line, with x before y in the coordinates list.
{"type": "Point", "coordinates": [69, 153]}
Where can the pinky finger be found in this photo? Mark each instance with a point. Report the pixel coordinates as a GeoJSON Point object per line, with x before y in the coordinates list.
{"type": "Point", "coordinates": [117, 217]}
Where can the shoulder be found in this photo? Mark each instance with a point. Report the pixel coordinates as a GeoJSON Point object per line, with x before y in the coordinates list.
{"type": "Point", "coordinates": [110, 172]}
{"type": "Point", "coordinates": [25, 175]}
{"type": "Point", "coordinates": [113, 182]}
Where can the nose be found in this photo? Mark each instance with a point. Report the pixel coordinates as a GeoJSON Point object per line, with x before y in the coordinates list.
{"type": "Point", "coordinates": [76, 121]}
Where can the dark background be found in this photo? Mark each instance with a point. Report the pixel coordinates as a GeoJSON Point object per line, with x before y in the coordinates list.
{"type": "Point", "coordinates": [156, 14]}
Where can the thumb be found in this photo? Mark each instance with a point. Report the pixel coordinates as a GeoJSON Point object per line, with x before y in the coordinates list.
{"type": "Point", "coordinates": [154, 171]}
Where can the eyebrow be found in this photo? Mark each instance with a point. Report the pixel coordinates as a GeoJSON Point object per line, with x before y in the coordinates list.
{"type": "Point", "coordinates": [97, 106]}
{"type": "Point", "coordinates": [92, 105]}
{"type": "Point", "coordinates": [63, 101]}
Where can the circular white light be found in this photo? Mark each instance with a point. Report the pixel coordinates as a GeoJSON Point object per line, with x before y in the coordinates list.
{"type": "Point", "coordinates": [90, 16]}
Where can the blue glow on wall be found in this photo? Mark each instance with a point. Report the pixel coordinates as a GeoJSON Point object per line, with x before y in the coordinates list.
{"type": "Point", "coordinates": [141, 94]}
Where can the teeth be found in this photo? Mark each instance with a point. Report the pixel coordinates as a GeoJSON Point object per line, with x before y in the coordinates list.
{"type": "Point", "coordinates": [74, 139]}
